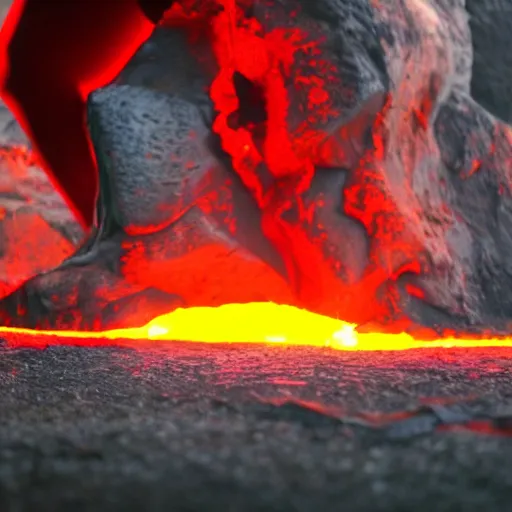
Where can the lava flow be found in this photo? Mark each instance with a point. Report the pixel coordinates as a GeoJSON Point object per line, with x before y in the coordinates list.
{"type": "Point", "coordinates": [255, 323]}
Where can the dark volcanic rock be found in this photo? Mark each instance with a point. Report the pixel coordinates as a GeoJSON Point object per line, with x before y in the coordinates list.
{"type": "Point", "coordinates": [491, 81]}
{"type": "Point", "coordinates": [393, 147]}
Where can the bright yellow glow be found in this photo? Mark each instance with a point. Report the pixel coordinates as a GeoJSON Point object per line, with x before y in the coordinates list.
{"type": "Point", "coordinates": [265, 323]}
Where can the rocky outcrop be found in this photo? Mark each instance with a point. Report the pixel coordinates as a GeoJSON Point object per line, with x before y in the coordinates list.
{"type": "Point", "coordinates": [350, 157]}
{"type": "Point", "coordinates": [37, 230]}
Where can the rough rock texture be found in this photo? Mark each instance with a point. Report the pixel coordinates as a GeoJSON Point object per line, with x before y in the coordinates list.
{"type": "Point", "coordinates": [388, 202]}
{"type": "Point", "coordinates": [490, 23]}
{"type": "Point", "coordinates": [37, 230]}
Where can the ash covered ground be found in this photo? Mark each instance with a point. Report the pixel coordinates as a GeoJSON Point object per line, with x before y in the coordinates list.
{"type": "Point", "coordinates": [195, 428]}
{"type": "Point", "coordinates": [252, 428]}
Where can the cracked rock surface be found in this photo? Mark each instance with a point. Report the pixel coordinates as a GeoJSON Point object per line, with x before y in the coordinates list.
{"type": "Point", "coordinates": [409, 200]}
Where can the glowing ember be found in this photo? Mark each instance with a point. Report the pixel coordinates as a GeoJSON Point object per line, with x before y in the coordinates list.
{"type": "Point", "coordinates": [260, 323]}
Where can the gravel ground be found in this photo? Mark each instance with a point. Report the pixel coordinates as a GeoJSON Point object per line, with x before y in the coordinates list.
{"type": "Point", "coordinates": [198, 427]}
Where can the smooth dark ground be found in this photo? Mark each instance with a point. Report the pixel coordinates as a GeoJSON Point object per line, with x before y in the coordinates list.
{"type": "Point", "coordinates": [203, 428]}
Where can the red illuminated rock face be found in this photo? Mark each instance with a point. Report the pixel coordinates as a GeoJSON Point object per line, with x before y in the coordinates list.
{"type": "Point", "coordinates": [343, 156]}
{"type": "Point", "coordinates": [37, 231]}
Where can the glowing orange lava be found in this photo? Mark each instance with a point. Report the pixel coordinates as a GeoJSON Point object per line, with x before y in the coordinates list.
{"type": "Point", "coordinates": [261, 323]}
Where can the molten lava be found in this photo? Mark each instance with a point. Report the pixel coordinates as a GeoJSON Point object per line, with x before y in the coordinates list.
{"type": "Point", "coordinates": [260, 323]}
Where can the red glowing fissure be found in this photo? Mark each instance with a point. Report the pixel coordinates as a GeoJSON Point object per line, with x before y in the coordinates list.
{"type": "Point", "coordinates": [279, 60]}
